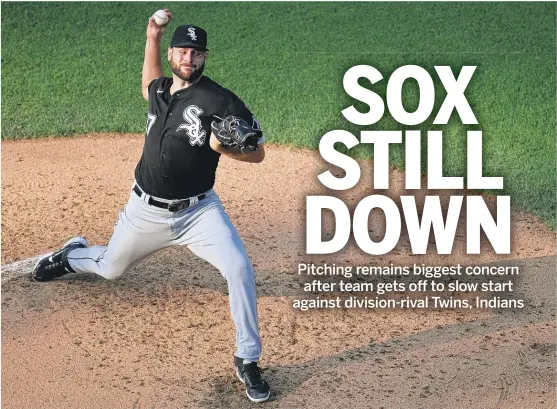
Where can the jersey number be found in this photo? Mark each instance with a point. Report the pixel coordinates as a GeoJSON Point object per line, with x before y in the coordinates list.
{"type": "Point", "coordinates": [150, 122]}
{"type": "Point", "coordinates": [193, 125]}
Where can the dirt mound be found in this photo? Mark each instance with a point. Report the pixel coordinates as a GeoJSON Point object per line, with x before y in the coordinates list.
{"type": "Point", "coordinates": [161, 336]}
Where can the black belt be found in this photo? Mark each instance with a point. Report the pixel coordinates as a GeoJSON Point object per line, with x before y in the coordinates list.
{"type": "Point", "coordinates": [175, 206]}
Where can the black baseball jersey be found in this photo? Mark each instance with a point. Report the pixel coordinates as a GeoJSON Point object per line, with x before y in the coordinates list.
{"type": "Point", "coordinates": [177, 161]}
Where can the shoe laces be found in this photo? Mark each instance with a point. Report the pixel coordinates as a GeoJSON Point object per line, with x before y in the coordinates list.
{"type": "Point", "coordinates": [54, 265]}
{"type": "Point", "coordinates": [56, 262]}
{"type": "Point", "coordinates": [252, 374]}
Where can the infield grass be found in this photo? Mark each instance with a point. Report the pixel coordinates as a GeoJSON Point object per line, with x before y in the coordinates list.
{"type": "Point", "coordinates": [73, 68]}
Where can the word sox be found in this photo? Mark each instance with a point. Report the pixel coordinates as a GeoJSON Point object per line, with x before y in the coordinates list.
{"type": "Point", "coordinates": [478, 215]}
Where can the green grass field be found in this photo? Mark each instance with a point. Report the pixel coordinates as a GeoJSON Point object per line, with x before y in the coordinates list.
{"type": "Point", "coordinates": [72, 68]}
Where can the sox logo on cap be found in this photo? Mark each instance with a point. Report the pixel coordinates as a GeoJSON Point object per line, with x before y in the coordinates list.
{"type": "Point", "coordinates": [191, 33]}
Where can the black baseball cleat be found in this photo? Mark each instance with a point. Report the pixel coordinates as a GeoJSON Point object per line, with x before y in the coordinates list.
{"type": "Point", "coordinates": [56, 264]}
{"type": "Point", "coordinates": [257, 388]}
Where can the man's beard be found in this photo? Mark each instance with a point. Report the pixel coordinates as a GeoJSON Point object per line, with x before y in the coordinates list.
{"type": "Point", "coordinates": [194, 74]}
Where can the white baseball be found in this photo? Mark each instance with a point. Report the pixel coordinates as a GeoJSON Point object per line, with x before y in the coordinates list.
{"type": "Point", "coordinates": [161, 18]}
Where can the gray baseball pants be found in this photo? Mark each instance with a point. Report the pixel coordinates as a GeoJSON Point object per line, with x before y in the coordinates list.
{"type": "Point", "coordinates": [206, 229]}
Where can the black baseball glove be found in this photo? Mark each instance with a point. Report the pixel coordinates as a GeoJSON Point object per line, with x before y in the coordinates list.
{"type": "Point", "coordinates": [235, 132]}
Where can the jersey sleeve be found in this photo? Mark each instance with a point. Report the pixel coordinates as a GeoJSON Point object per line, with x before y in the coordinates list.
{"type": "Point", "coordinates": [238, 108]}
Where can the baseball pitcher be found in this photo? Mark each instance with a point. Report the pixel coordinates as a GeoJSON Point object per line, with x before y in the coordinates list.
{"type": "Point", "coordinates": [191, 122]}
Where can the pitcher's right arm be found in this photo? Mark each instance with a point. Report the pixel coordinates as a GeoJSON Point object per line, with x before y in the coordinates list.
{"type": "Point", "coordinates": [152, 65]}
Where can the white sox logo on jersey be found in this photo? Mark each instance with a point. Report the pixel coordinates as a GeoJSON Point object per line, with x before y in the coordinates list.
{"type": "Point", "coordinates": [193, 125]}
